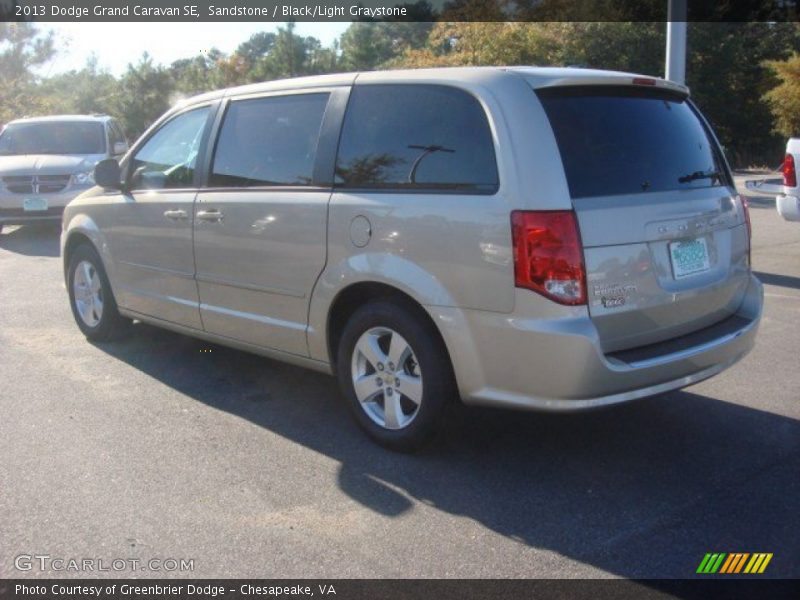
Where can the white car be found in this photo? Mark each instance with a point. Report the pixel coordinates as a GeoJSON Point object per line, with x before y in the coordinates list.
{"type": "Point", "coordinates": [787, 193]}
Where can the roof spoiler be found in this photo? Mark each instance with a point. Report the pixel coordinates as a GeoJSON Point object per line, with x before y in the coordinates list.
{"type": "Point", "coordinates": [587, 77]}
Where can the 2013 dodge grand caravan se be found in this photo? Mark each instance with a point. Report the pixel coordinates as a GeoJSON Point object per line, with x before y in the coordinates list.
{"type": "Point", "coordinates": [535, 238]}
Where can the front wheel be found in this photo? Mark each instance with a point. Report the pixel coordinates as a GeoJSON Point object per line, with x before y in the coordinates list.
{"type": "Point", "coordinates": [91, 299]}
{"type": "Point", "coordinates": [396, 375]}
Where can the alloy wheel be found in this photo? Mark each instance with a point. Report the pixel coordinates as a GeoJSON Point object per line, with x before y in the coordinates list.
{"type": "Point", "coordinates": [386, 378]}
{"type": "Point", "coordinates": [88, 291]}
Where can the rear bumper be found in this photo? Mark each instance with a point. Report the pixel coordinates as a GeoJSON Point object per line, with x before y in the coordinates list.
{"type": "Point", "coordinates": [557, 364]}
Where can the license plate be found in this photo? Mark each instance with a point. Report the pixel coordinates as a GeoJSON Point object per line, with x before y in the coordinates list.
{"type": "Point", "coordinates": [34, 204]}
{"type": "Point", "coordinates": [689, 257]}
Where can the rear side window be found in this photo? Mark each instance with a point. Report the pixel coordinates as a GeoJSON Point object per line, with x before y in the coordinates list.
{"type": "Point", "coordinates": [416, 137]}
{"type": "Point", "coordinates": [621, 140]}
{"type": "Point", "coordinates": [269, 141]}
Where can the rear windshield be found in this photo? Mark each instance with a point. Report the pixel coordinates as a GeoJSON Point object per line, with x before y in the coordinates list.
{"type": "Point", "coordinates": [53, 137]}
{"type": "Point", "coordinates": [623, 140]}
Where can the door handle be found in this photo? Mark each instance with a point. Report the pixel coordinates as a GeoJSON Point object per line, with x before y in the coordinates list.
{"type": "Point", "coordinates": [176, 215]}
{"type": "Point", "coordinates": [212, 215]}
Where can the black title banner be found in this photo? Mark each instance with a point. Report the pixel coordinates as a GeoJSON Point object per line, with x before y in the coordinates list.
{"type": "Point", "coordinates": [396, 10]}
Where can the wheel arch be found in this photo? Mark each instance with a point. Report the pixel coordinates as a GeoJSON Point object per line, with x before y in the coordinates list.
{"type": "Point", "coordinates": [81, 229]}
{"type": "Point", "coordinates": [74, 239]}
{"type": "Point", "coordinates": [356, 295]}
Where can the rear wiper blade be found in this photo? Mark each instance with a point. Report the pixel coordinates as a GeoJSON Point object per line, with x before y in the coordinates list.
{"type": "Point", "coordinates": [700, 175]}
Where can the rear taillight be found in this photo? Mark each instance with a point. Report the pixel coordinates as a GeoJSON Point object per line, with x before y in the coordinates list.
{"type": "Point", "coordinates": [548, 257]}
{"type": "Point", "coordinates": [789, 174]}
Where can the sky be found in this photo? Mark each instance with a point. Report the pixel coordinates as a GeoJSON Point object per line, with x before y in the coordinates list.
{"type": "Point", "coordinates": [117, 44]}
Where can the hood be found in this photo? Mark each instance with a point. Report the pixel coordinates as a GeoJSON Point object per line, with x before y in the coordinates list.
{"type": "Point", "coordinates": [47, 164]}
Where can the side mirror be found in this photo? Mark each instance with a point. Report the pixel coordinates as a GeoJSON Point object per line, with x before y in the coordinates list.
{"type": "Point", "coordinates": [120, 148]}
{"type": "Point", "coordinates": [107, 174]}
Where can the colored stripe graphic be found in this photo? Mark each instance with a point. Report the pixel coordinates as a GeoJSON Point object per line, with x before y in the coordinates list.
{"type": "Point", "coordinates": [758, 563]}
{"type": "Point", "coordinates": [741, 562]}
{"type": "Point", "coordinates": [702, 567]}
{"type": "Point", "coordinates": [733, 563]}
{"type": "Point", "coordinates": [711, 563]}
{"type": "Point", "coordinates": [717, 564]}
{"type": "Point", "coordinates": [727, 564]}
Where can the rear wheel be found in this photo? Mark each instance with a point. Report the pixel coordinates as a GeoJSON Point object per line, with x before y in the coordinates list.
{"type": "Point", "coordinates": [91, 299]}
{"type": "Point", "coordinates": [396, 375]}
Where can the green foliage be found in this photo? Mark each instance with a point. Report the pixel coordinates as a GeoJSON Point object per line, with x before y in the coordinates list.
{"type": "Point", "coordinates": [728, 79]}
{"type": "Point", "coordinates": [257, 47]}
{"type": "Point", "coordinates": [22, 49]}
{"type": "Point", "coordinates": [192, 76]}
{"type": "Point", "coordinates": [592, 10]}
{"type": "Point", "coordinates": [635, 47]}
{"type": "Point", "coordinates": [290, 55]}
{"type": "Point", "coordinates": [366, 46]}
{"type": "Point", "coordinates": [143, 94]}
{"type": "Point", "coordinates": [631, 46]}
{"type": "Point", "coordinates": [784, 99]}
{"type": "Point", "coordinates": [87, 91]}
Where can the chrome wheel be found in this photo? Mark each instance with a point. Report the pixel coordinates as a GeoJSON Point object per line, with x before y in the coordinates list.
{"type": "Point", "coordinates": [386, 378]}
{"type": "Point", "coordinates": [88, 292]}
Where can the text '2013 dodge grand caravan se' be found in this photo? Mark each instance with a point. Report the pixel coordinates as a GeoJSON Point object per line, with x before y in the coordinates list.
{"type": "Point", "coordinates": [532, 238]}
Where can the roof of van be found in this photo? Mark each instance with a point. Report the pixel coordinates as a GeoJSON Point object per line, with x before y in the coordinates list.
{"type": "Point", "coordinates": [537, 77]}
{"type": "Point", "coordinates": [89, 118]}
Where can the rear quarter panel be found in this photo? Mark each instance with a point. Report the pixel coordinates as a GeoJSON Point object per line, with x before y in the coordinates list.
{"type": "Point", "coordinates": [447, 249]}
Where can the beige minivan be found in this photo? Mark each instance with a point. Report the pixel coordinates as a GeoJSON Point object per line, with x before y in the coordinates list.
{"type": "Point", "coordinates": [531, 238]}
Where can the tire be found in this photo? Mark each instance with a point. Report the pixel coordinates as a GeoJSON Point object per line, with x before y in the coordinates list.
{"type": "Point", "coordinates": [91, 298]}
{"type": "Point", "coordinates": [419, 388]}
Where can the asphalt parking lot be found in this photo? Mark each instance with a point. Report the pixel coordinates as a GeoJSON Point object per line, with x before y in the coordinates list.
{"type": "Point", "coordinates": [161, 446]}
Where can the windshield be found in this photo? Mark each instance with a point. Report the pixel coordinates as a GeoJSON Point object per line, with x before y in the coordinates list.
{"type": "Point", "coordinates": [623, 140]}
{"type": "Point", "coordinates": [53, 137]}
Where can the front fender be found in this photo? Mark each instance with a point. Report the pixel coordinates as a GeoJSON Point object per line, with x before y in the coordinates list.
{"type": "Point", "coordinates": [82, 224]}
{"type": "Point", "coordinates": [372, 267]}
